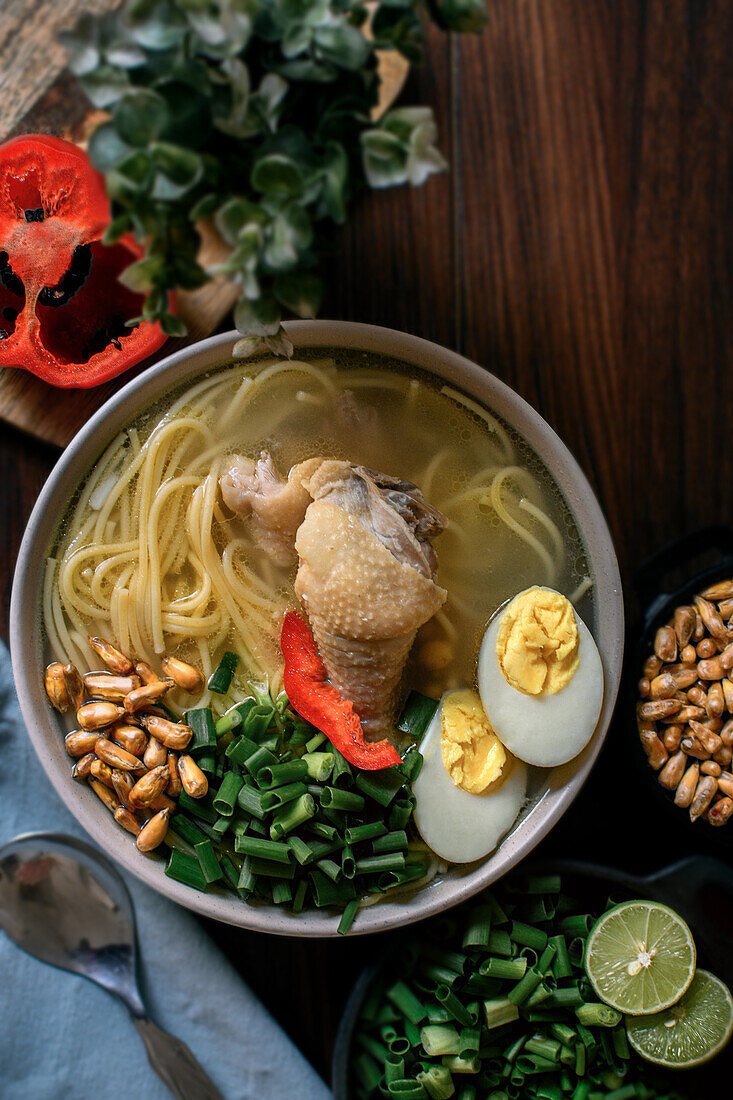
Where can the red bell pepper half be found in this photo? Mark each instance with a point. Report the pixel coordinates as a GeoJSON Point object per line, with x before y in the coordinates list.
{"type": "Point", "coordinates": [319, 702]}
{"type": "Point", "coordinates": [62, 307]}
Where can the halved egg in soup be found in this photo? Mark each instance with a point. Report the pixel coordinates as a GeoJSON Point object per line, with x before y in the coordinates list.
{"type": "Point", "coordinates": [470, 789]}
{"type": "Point", "coordinates": [540, 678]}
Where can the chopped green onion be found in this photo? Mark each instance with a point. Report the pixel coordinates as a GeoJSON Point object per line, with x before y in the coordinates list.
{"type": "Point", "coordinates": [228, 721]}
{"type": "Point", "coordinates": [411, 765]}
{"type": "Point", "coordinates": [240, 749]}
{"type": "Point", "coordinates": [263, 849]}
{"type": "Point", "coordinates": [221, 679]}
{"type": "Point", "coordinates": [210, 867]}
{"type": "Point", "coordinates": [185, 869]}
{"type": "Point", "coordinates": [336, 799]}
{"type": "Point", "coordinates": [315, 741]}
{"type": "Point", "coordinates": [319, 765]}
{"type": "Point", "coordinates": [462, 1065]}
{"type": "Point", "coordinates": [400, 813]}
{"type": "Point", "coordinates": [226, 797]}
{"type": "Point", "coordinates": [292, 815]}
{"type": "Point", "coordinates": [187, 829]}
{"type": "Point", "coordinates": [302, 851]}
{"type": "Point", "coordinates": [250, 800]}
{"type": "Point", "coordinates": [521, 992]}
{"type": "Point", "coordinates": [566, 998]}
{"type": "Point", "coordinates": [282, 892]}
{"type": "Point", "coordinates": [416, 715]}
{"type": "Point", "coordinates": [478, 929]}
{"type": "Point", "coordinates": [277, 775]}
{"type": "Point", "coordinates": [260, 758]}
{"type": "Point", "coordinates": [358, 833]}
{"type": "Point", "coordinates": [348, 862]}
{"type": "Point", "coordinates": [382, 786]}
{"type": "Point", "coordinates": [595, 1014]}
{"type": "Point", "coordinates": [500, 1011]}
{"type": "Point", "coordinates": [299, 899]}
{"type": "Point", "coordinates": [390, 861]}
{"type": "Point", "coordinates": [390, 842]}
{"type": "Point", "coordinates": [495, 967]}
{"type": "Point", "coordinates": [437, 1082]}
{"type": "Point", "coordinates": [402, 997]}
{"type": "Point", "coordinates": [201, 721]}
{"type": "Point", "coordinates": [440, 1041]}
{"type": "Point", "coordinates": [198, 807]}
{"type": "Point", "coordinates": [528, 936]}
{"type": "Point", "coordinates": [342, 775]}
{"type": "Point", "coordinates": [347, 917]}
{"type": "Point", "coordinates": [280, 795]}
{"type": "Point", "coordinates": [457, 1009]}
{"type": "Point", "coordinates": [258, 720]}
{"type": "Point", "coordinates": [272, 868]}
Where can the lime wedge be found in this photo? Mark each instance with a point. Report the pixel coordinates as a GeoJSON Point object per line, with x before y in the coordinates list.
{"type": "Point", "coordinates": [640, 957]}
{"type": "Point", "coordinates": [690, 1032]}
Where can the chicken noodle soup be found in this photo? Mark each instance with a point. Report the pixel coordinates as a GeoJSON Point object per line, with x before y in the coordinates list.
{"type": "Point", "coordinates": [150, 555]}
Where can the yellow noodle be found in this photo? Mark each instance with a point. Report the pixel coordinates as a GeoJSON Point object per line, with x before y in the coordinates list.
{"type": "Point", "coordinates": [492, 423]}
{"type": "Point", "coordinates": [516, 527]}
{"type": "Point", "coordinates": [161, 565]}
{"type": "Point", "coordinates": [585, 586]}
{"type": "Point", "coordinates": [544, 521]}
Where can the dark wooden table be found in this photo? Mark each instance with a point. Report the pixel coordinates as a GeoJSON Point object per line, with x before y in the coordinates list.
{"type": "Point", "coordinates": [581, 250]}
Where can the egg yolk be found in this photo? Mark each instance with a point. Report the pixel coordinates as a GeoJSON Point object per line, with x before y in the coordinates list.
{"type": "Point", "coordinates": [473, 755]}
{"type": "Point", "coordinates": [538, 646]}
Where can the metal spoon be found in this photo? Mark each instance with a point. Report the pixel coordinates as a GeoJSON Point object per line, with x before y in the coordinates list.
{"type": "Point", "coordinates": [64, 903]}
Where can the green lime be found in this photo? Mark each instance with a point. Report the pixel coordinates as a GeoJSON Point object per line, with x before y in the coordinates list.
{"type": "Point", "coordinates": [690, 1032]}
{"type": "Point", "coordinates": [640, 957]}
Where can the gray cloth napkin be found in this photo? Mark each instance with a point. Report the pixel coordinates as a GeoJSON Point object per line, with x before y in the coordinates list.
{"type": "Point", "coordinates": [62, 1036]}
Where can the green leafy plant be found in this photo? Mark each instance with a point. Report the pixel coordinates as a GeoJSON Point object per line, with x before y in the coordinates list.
{"type": "Point", "coordinates": [257, 115]}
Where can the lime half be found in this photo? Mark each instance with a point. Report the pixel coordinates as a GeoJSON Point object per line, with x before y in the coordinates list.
{"type": "Point", "coordinates": [691, 1031]}
{"type": "Point", "coordinates": [640, 957]}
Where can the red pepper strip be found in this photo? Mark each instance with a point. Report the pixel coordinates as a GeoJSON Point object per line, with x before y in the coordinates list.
{"type": "Point", "coordinates": [319, 702]}
{"type": "Point", "coordinates": [62, 307]}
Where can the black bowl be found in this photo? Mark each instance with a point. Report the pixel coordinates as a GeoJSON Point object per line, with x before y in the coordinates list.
{"type": "Point", "coordinates": [669, 579]}
{"type": "Point", "coordinates": [700, 889]}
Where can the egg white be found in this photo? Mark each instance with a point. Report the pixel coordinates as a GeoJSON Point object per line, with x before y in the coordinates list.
{"type": "Point", "coordinates": [458, 826]}
{"type": "Point", "coordinates": [545, 730]}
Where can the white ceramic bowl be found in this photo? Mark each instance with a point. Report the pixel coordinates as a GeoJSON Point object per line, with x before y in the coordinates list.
{"type": "Point", "coordinates": [29, 658]}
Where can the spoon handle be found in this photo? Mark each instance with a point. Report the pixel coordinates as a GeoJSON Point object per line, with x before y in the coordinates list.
{"type": "Point", "coordinates": [175, 1064]}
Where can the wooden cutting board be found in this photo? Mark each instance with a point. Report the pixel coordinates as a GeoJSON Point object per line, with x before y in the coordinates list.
{"type": "Point", "coordinates": [37, 95]}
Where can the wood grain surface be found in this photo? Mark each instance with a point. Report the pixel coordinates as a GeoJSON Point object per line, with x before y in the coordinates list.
{"type": "Point", "coordinates": [580, 248]}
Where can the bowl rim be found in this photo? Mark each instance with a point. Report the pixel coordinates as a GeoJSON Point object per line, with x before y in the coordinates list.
{"type": "Point", "coordinates": [564, 782]}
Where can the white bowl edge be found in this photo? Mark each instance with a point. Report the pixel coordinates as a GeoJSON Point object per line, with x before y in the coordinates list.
{"type": "Point", "coordinates": [27, 648]}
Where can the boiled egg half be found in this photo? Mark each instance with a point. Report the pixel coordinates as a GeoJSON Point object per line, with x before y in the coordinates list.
{"type": "Point", "coordinates": [540, 678]}
{"type": "Point", "coordinates": [470, 789]}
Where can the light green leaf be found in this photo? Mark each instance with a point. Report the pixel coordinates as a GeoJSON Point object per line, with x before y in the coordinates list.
{"type": "Point", "coordinates": [106, 148]}
{"type": "Point", "coordinates": [296, 39]}
{"type": "Point", "coordinates": [257, 318]}
{"type": "Point", "coordinates": [247, 346]}
{"type": "Point", "coordinates": [301, 292]}
{"type": "Point", "coordinates": [234, 215]}
{"type": "Point", "coordinates": [342, 44]}
{"type": "Point", "coordinates": [182, 167]}
{"type": "Point", "coordinates": [133, 172]}
{"type": "Point", "coordinates": [334, 182]}
{"type": "Point", "coordinates": [105, 86]}
{"type": "Point", "coordinates": [126, 56]}
{"type": "Point", "coordinates": [141, 276]}
{"type": "Point", "coordinates": [140, 116]}
{"type": "Point", "coordinates": [279, 344]}
{"type": "Point", "coordinates": [278, 175]}
{"type": "Point", "coordinates": [172, 325]}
